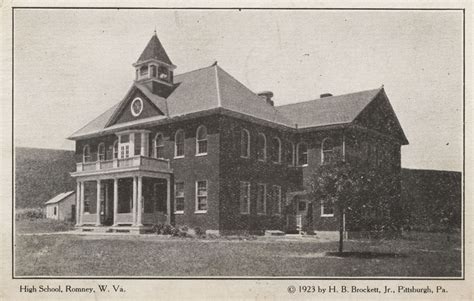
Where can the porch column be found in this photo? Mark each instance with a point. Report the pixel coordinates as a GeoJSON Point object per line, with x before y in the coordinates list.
{"type": "Point", "coordinates": [81, 211]}
{"type": "Point", "coordinates": [143, 149]}
{"type": "Point", "coordinates": [168, 200]}
{"type": "Point", "coordinates": [115, 201]}
{"type": "Point", "coordinates": [97, 222]}
{"type": "Point", "coordinates": [78, 202]}
{"type": "Point", "coordinates": [140, 202]}
{"type": "Point", "coordinates": [134, 204]}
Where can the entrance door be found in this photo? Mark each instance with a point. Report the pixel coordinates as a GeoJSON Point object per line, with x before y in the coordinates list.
{"type": "Point", "coordinates": [301, 213]}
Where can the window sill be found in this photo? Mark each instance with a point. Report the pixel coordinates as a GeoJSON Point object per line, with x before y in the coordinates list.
{"type": "Point", "coordinates": [200, 211]}
{"type": "Point", "coordinates": [304, 165]}
{"type": "Point", "coordinates": [179, 212]}
{"type": "Point", "coordinates": [327, 215]}
{"type": "Point", "coordinates": [243, 157]}
{"type": "Point", "coordinates": [178, 157]}
{"type": "Point", "coordinates": [200, 155]}
{"type": "Point", "coordinates": [244, 213]}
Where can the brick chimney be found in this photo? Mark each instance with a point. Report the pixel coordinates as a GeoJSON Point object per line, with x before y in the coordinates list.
{"type": "Point", "coordinates": [325, 95]}
{"type": "Point", "coordinates": [267, 96]}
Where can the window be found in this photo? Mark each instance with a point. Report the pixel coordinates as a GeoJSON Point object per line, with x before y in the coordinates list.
{"type": "Point", "coordinates": [153, 70]}
{"type": "Point", "coordinates": [327, 151]}
{"type": "Point", "coordinates": [144, 71]}
{"type": "Point", "coordinates": [55, 210]}
{"type": "Point", "coordinates": [179, 197]}
{"type": "Point", "coordinates": [137, 144]}
{"type": "Point", "coordinates": [101, 152]}
{"type": "Point", "coordinates": [179, 144]}
{"type": "Point", "coordinates": [302, 154]}
{"type": "Point", "coordinates": [291, 154]}
{"type": "Point", "coordinates": [276, 150]}
{"type": "Point", "coordinates": [115, 149]}
{"type": "Point", "coordinates": [201, 140]}
{"type": "Point", "coordinates": [302, 206]}
{"type": "Point", "coordinates": [201, 196]}
{"type": "Point", "coordinates": [261, 199]}
{"type": "Point", "coordinates": [163, 73]}
{"type": "Point", "coordinates": [276, 196]}
{"type": "Point", "coordinates": [261, 147]}
{"type": "Point", "coordinates": [327, 209]}
{"type": "Point", "coordinates": [159, 146]}
{"type": "Point", "coordinates": [87, 206]}
{"type": "Point", "coordinates": [244, 197]}
{"type": "Point", "coordinates": [124, 146]}
{"type": "Point", "coordinates": [86, 154]}
{"type": "Point", "coordinates": [244, 144]}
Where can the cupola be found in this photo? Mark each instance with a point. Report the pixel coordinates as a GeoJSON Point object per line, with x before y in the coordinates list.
{"type": "Point", "coordinates": [155, 69]}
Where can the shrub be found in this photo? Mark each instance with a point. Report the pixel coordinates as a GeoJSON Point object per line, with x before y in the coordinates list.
{"type": "Point", "coordinates": [167, 230]}
{"type": "Point", "coordinates": [29, 214]}
{"type": "Point", "coordinates": [158, 228]}
{"type": "Point", "coordinates": [199, 232]}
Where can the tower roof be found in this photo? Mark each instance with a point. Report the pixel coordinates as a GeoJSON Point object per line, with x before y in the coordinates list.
{"type": "Point", "coordinates": [154, 50]}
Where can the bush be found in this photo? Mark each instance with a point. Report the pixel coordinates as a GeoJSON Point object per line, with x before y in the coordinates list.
{"type": "Point", "coordinates": [199, 232]}
{"type": "Point", "coordinates": [158, 228]}
{"type": "Point", "coordinates": [30, 214]}
{"type": "Point", "coordinates": [167, 229]}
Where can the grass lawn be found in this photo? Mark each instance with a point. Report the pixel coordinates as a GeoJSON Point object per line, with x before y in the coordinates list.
{"type": "Point", "coordinates": [421, 254]}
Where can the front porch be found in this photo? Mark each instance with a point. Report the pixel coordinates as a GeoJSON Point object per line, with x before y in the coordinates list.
{"type": "Point", "coordinates": [123, 199]}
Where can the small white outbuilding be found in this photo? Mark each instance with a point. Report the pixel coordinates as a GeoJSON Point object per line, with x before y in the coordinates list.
{"type": "Point", "coordinates": [62, 206]}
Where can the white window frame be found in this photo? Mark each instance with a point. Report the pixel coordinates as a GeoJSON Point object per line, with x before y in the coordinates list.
{"type": "Point", "coordinates": [298, 154]}
{"type": "Point", "coordinates": [176, 144]}
{"type": "Point", "coordinates": [201, 140]}
{"type": "Point", "coordinates": [293, 151]}
{"type": "Point", "coordinates": [279, 150]}
{"type": "Point", "coordinates": [264, 198]}
{"type": "Point", "coordinates": [84, 154]}
{"type": "Point", "coordinates": [155, 146]}
{"type": "Point", "coordinates": [247, 155]}
{"type": "Point", "coordinates": [196, 208]}
{"type": "Point", "coordinates": [99, 154]}
{"type": "Point", "coordinates": [264, 147]}
{"type": "Point", "coordinates": [324, 151]}
{"type": "Point", "coordinates": [322, 211]}
{"type": "Point", "coordinates": [247, 186]}
{"type": "Point", "coordinates": [135, 114]}
{"type": "Point", "coordinates": [276, 200]}
{"type": "Point", "coordinates": [181, 197]}
{"type": "Point", "coordinates": [115, 146]}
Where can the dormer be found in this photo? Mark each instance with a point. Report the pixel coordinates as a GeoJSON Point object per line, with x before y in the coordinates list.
{"type": "Point", "coordinates": [155, 69]}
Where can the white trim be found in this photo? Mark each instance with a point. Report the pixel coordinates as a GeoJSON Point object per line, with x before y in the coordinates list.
{"type": "Point", "coordinates": [343, 147]}
{"type": "Point", "coordinates": [322, 148]}
{"type": "Point", "coordinates": [249, 192]}
{"type": "Point", "coordinates": [176, 144]}
{"type": "Point", "coordinates": [174, 198]}
{"type": "Point", "coordinates": [196, 200]}
{"type": "Point", "coordinates": [155, 154]}
{"type": "Point", "coordinates": [115, 144]}
{"type": "Point", "coordinates": [277, 212]}
{"type": "Point", "coordinates": [98, 152]}
{"type": "Point", "coordinates": [84, 153]}
{"type": "Point", "coordinates": [197, 140]}
{"type": "Point", "coordinates": [264, 147]}
{"type": "Point", "coordinates": [264, 198]}
{"type": "Point", "coordinates": [219, 101]}
{"type": "Point", "coordinates": [248, 143]}
{"type": "Point", "coordinates": [322, 211]}
{"type": "Point", "coordinates": [141, 106]}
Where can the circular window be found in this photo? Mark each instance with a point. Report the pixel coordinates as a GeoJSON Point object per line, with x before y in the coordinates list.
{"type": "Point", "coordinates": [137, 106]}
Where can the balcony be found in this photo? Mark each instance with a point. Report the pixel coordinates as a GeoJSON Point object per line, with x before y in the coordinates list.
{"type": "Point", "coordinates": [136, 163]}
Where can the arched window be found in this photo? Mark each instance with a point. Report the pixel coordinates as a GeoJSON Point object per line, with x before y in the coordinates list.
{"type": "Point", "coordinates": [86, 154]}
{"type": "Point", "coordinates": [291, 154]}
{"type": "Point", "coordinates": [327, 151]}
{"type": "Point", "coordinates": [179, 144]}
{"type": "Point", "coordinates": [115, 150]}
{"type": "Point", "coordinates": [302, 154]}
{"type": "Point", "coordinates": [159, 146]}
{"type": "Point", "coordinates": [244, 143]}
{"type": "Point", "coordinates": [201, 140]}
{"type": "Point", "coordinates": [276, 150]}
{"type": "Point", "coordinates": [144, 71]}
{"type": "Point", "coordinates": [261, 147]}
{"type": "Point", "coordinates": [101, 152]}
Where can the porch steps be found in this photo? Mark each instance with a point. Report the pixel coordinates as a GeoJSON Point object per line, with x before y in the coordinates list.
{"type": "Point", "coordinates": [274, 233]}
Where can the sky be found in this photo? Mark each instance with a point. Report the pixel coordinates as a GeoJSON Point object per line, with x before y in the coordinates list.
{"type": "Point", "coordinates": [72, 65]}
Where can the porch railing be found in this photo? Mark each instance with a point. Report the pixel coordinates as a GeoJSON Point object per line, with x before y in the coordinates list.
{"type": "Point", "coordinates": [136, 161]}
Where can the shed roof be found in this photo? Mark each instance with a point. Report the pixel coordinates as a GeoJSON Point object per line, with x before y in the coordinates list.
{"type": "Point", "coordinates": [59, 197]}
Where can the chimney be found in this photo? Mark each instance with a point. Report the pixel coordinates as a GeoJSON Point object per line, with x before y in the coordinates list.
{"type": "Point", "coordinates": [325, 95]}
{"type": "Point", "coordinates": [267, 96]}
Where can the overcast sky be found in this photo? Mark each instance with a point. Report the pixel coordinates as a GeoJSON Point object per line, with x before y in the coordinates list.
{"type": "Point", "coordinates": [71, 65]}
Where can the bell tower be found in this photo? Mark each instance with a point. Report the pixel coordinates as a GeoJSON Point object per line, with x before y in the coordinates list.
{"type": "Point", "coordinates": [155, 69]}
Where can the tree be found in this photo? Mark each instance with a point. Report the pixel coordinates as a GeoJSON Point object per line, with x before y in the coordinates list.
{"type": "Point", "coordinates": [338, 184]}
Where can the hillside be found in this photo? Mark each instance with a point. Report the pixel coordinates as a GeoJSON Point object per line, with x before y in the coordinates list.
{"type": "Point", "coordinates": [41, 174]}
{"type": "Point", "coordinates": [431, 199]}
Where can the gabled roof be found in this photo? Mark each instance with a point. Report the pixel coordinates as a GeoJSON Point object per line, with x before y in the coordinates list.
{"type": "Point", "coordinates": [59, 197]}
{"type": "Point", "coordinates": [327, 111]}
{"type": "Point", "coordinates": [154, 50]}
